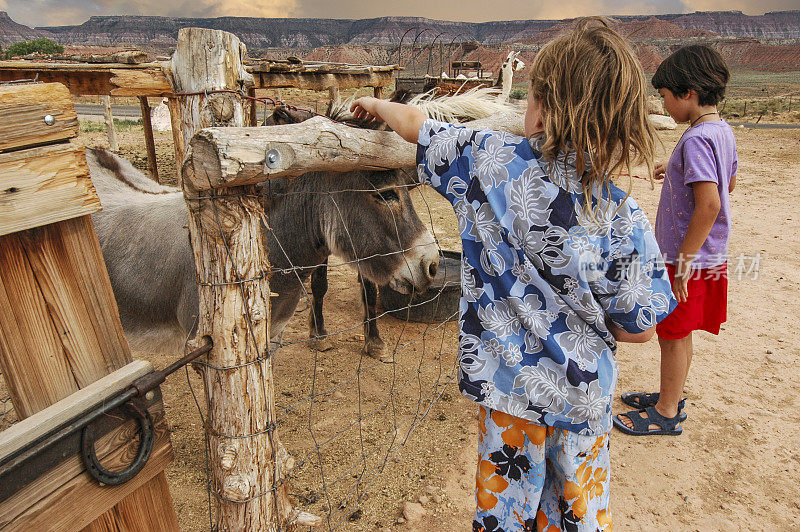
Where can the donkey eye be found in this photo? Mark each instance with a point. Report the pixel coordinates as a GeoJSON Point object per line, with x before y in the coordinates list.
{"type": "Point", "coordinates": [386, 196]}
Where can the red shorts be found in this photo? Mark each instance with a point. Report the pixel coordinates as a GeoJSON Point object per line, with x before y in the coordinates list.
{"type": "Point", "coordinates": [707, 306]}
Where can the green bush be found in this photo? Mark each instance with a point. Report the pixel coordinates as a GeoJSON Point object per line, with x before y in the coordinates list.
{"type": "Point", "coordinates": [124, 124]}
{"type": "Point", "coordinates": [518, 93]}
{"type": "Point", "coordinates": [42, 46]}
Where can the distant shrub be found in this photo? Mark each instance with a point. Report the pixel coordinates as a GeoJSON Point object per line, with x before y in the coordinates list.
{"type": "Point", "coordinates": [518, 93]}
{"type": "Point", "coordinates": [42, 46]}
{"type": "Point", "coordinates": [124, 124]}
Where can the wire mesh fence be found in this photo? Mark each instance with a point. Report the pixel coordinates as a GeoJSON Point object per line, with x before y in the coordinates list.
{"type": "Point", "coordinates": [342, 415]}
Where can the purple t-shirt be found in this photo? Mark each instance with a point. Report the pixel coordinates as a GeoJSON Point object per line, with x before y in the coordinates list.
{"type": "Point", "coordinates": [706, 152]}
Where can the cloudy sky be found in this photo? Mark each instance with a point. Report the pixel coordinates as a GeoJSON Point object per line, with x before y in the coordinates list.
{"type": "Point", "coordinates": [63, 12]}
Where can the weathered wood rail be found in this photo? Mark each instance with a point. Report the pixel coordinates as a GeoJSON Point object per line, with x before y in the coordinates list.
{"type": "Point", "coordinates": [225, 157]}
{"type": "Point", "coordinates": [153, 79]}
{"type": "Point", "coordinates": [150, 79]}
{"type": "Point", "coordinates": [59, 328]}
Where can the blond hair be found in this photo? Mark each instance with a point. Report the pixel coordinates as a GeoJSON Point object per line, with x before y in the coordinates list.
{"type": "Point", "coordinates": [593, 97]}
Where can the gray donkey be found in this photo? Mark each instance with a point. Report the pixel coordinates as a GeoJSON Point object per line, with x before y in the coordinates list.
{"type": "Point", "coordinates": [365, 218]}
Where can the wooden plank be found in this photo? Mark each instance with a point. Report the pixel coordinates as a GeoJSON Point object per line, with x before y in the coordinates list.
{"type": "Point", "coordinates": [149, 79]}
{"type": "Point", "coordinates": [68, 263]}
{"type": "Point", "coordinates": [74, 312]}
{"type": "Point", "coordinates": [23, 108]}
{"type": "Point", "coordinates": [22, 433]}
{"type": "Point", "coordinates": [225, 157]}
{"type": "Point", "coordinates": [127, 514]}
{"type": "Point", "coordinates": [113, 79]}
{"type": "Point", "coordinates": [77, 82]}
{"type": "Point", "coordinates": [18, 65]}
{"type": "Point", "coordinates": [139, 82]}
{"type": "Point", "coordinates": [67, 498]}
{"type": "Point", "coordinates": [113, 448]}
{"type": "Point", "coordinates": [32, 357]}
{"type": "Point", "coordinates": [152, 164]}
{"type": "Point", "coordinates": [44, 185]}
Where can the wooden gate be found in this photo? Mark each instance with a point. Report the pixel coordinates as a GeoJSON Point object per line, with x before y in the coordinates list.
{"type": "Point", "coordinates": [61, 343]}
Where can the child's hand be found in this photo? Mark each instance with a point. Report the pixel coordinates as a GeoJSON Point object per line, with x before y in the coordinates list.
{"type": "Point", "coordinates": [364, 108]}
{"type": "Point", "coordinates": [660, 171]}
{"type": "Point", "coordinates": [680, 285]}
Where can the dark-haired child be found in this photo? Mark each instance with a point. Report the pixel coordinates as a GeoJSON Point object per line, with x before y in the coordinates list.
{"type": "Point", "coordinates": [692, 228]}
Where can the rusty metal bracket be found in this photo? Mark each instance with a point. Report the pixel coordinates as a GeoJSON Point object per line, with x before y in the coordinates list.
{"type": "Point", "coordinates": [44, 453]}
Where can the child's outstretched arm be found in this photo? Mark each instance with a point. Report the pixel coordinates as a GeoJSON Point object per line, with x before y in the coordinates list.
{"type": "Point", "coordinates": [402, 119]}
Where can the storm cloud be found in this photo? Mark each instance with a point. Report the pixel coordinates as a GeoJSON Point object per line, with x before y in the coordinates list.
{"type": "Point", "coordinates": [63, 12]}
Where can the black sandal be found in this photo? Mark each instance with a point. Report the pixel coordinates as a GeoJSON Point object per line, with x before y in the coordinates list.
{"type": "Point", "coordinates": [668, 426]}
{"type": "Point", "coordinates": [641, 400]}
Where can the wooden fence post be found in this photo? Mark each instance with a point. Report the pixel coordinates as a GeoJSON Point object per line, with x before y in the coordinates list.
{"type": "Point", "coordinates": [177, 135]}
{"type": "Point", "coordinates": [333, 96]}
{"type": "Point", "coordinates": [152, 164]}
{"type": "Point", "coordinates": [230, 258]}
{"type": "Point", "coordinates": [111, 131]}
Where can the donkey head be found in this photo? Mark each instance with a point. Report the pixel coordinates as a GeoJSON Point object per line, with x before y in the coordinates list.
{"type": "Point", "coordinates": [369, 218]}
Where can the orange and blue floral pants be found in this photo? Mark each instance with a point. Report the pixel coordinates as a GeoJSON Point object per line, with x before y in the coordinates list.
{"type": "Point", "coordinates": [537, 478]}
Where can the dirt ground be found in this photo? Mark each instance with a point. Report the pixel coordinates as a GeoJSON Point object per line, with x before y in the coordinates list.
{"type": "Point", "coordinates": [735, 467]}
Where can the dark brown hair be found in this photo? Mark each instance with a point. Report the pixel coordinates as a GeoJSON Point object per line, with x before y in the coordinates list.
{"type": "Point", "coordinates": [695, 67]}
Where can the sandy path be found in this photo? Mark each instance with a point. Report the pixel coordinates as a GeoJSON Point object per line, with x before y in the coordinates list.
{"type": "Point", "coordinates": [736, 466]}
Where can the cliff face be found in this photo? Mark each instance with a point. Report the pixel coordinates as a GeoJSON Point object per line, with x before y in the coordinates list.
{"type": "Point", "coordinates": [263, 33]}
{"type": "Point", "coordinates": [11, 32]}
{"type": "Point", "coordinates": [781, 25]}
{"type": "Point", "coordinates": [735, 34]}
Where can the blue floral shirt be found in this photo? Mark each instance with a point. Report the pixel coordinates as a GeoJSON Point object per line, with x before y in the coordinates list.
{"type": "Point", "coordinates": [539, 277]}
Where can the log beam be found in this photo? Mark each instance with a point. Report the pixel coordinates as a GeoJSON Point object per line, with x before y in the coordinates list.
{"type": "Point", "coordinates": [322, 81]}
{"type": "Point", "coordinates": [223, 157]}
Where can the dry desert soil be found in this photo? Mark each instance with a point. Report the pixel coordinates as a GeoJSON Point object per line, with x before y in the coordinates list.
{"type": "Point", "coordinates": [735, 467]}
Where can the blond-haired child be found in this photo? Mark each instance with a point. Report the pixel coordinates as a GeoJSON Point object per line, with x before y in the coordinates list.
{"type": "Point", "coordinates": [558, 265]}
